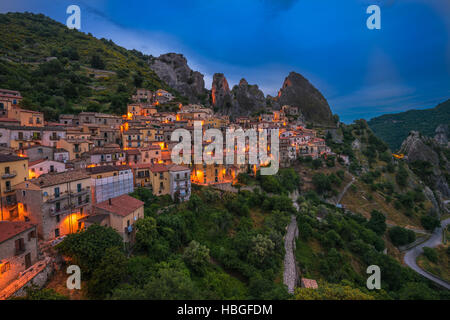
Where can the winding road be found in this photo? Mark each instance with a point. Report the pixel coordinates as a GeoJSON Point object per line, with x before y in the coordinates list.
{"type": "Point", "coordinates": [412, 254]}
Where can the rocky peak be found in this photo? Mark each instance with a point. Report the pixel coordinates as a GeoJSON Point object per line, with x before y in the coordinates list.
{"type": "Point", "coordinates": [441, 134]}
{"type": "Point", "coordinates": [243, 82]}
{"type": "Point", "coordinates": [173, 69]}
{"type": "Point", "coordinates": [299, 92]}
{"type": "Point", "coordinates": [242, 100]}
{"type": "Point", "coordinates": [220, 92]}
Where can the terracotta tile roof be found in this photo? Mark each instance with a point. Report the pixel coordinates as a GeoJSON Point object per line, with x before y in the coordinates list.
{"type": "Point", "coordinates": [309, 283]}
{"type": "Point", "coordinates": [159, 168]}
{"type": "Point", "coordinates": [33, 163]}
{"type": "Point", "coordinates": [122, 205]}
{"type": "Point", "coordinates": [9, 120]}
{"type": "Point", "coordinates": [51, 179]}
{"type": "Point", "coordinates": [132, 151]}
{"type": "Point", "coordinates": [10, 158]}
{"type": "Point", "coordinates": [107, 168]}
{"type": "Point", "coordinates": [176, 167]}
{"type": "Point", "coordinates": [10, 229]}
{"type": "Point", "coordinates": [141, 165]}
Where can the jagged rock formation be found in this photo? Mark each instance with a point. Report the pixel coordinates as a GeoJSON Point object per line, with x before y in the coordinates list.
{"type": "Point", "coordinates": [245, 99]}
{"type": "Point", "coordinates": [248, 97]}
{"type": "Point", "coordinates": [441, 135]}
{"type": "Point", "coordinates": [298, 91]}
{"type": "Point", "coordinates": [242, 100]}
{"type": "Point", "coordinates": [221, 94]}
{"type": "Point", "coordinates": [173, 69]}
{"type": "Point", "coordinates": [423, 153]}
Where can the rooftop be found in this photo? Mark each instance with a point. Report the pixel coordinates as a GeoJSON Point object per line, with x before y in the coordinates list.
{"type": "Point", "coordinates": [11, 158]}
{"type": "Point", "coordinates": [10, 229]}
{"type": "Point", "coordinates": [51, 179]}
{"type": "Point", "coordinates": [122, 205]}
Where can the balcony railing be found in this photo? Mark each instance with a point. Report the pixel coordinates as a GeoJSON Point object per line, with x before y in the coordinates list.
{"type": "Point", "coordinates": [9, 175]}
{"type": "Point", "coordinates": [54, 138]}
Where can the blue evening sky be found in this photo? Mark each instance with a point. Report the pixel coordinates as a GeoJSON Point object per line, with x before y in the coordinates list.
{"type": "Point", "coordinates": [362, 73]}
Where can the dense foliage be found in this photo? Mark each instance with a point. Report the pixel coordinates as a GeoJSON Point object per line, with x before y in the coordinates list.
{"type": "Point", "coordinates": [394, 128]}
{"type": "Point", "coordinates": [59, 70]}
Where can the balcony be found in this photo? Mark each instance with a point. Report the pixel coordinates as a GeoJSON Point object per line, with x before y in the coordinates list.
{"type": "Point", "coordinates": [80, 192]}
{"type": "Point", "coordinates": [76, 150]}
{"type": "Point", "coordinates": [9, 175]}
{"type": "Point", "coordinates": [61, 196]}
{"type": "Point", "coordinates": [54, 138]}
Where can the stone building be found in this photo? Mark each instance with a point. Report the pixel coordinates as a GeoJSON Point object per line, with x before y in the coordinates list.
{"type": "Point", "coordinates": [56, 202]}
{"type": "Point", "coordinates": [18, 250]}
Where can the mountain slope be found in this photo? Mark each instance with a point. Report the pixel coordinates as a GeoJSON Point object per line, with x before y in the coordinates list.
{"type": "Point", "coordinates": [394, 128]}
{"type": "Point", "coordinates": [59, 70]}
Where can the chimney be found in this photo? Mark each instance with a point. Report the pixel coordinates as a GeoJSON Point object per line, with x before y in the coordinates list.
{"type": "Point", "coordinates": [110, 202]}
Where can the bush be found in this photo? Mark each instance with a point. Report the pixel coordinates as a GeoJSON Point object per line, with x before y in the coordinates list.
{"type": "Point", "coordinates": [429, 222]}
{"type": "Point", "coordinates": [196, 256]}
{"type": "Point", "coordinates": [401, 236]}
{"type": "Point", "coordinates": [377, 222]}
{"type": "Point", "coordinates": [430, 254]}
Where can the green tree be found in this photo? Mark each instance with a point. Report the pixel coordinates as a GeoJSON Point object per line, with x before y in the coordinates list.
{"type": "Point", "coordinates": [328, 291]}
{"type": "Point", "coordinates": [430, 222]}
{"type": "Point", "coordinates": [196, 256]}
{"type": "Point", "coordinates": [430, 254]}
{"type": "Point", "coordinates": [261, 249]}
{"type": "Point", "coordinates": [377, 222]}
{"type": "Point", "coordinates": [110, 272]}
{"type": "Point", "coordinates": [88, 247]}
{"type": "Point", "coordinates": [146, 233]}
{"type": "Point", "coordinates": [97, 62]}
{"type": "Point", "coordinates": [401, 236]}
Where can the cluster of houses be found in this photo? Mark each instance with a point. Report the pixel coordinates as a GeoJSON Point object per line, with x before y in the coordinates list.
{"type": "Point", "coordinates": [57, 178]}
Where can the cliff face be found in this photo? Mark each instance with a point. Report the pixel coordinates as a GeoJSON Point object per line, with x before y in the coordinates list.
{"type": "Point", "coordinates": [298, 91]}
{"type": "Point", "coordinates": [221, 95]}
{"type": "Point", "coordinates": [245, 99]}
{"type": "Point", "coordinates": [426, 157]}
{"type": "Point", "coordinates": [174, 70]}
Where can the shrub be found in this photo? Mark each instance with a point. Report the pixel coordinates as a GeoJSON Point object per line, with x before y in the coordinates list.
{"type": "Point", "coordinates": [401, 236]}
{"type": "Point", "coordinates": [429, 222]}
{"type": "Point", "coordinates": [430, 254]}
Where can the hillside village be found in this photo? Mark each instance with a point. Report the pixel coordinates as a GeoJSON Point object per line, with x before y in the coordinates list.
{"type": "Point", "coordinates": [60, 177]}
{"type": "Point", "coordinates": [87, 178]}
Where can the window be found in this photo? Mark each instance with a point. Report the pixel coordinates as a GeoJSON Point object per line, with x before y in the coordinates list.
{"type": "Point", "coordinates": [56, 233]}
{"type": "Point", "coordinates": [6, 170]}
{"type": "Point", "coordinates": [79, 187]}
{"type": "Point", "coordinates": [80, 200]}
{"type": "Point", "coordinates": [8, 186]}
{"type": "Point", "coordinates": [31, 235]}
{"type": "Point", "coordinates": [20, 245]}
{"type": "Point", "coordinates": [57, 208]}
{"type": "Point", "coordinates": [56, 190]}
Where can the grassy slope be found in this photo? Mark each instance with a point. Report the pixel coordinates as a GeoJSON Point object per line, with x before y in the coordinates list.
{"type": "Point", "coordinates": [28, 40]}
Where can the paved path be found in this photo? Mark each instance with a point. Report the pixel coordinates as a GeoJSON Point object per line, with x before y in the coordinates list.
{"type": "Point", "coordinates": [412, 254]}
{"type": "Point", "coordinates": [290, 275]}
{"type": "Point", "coordinates": [341, 195]}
